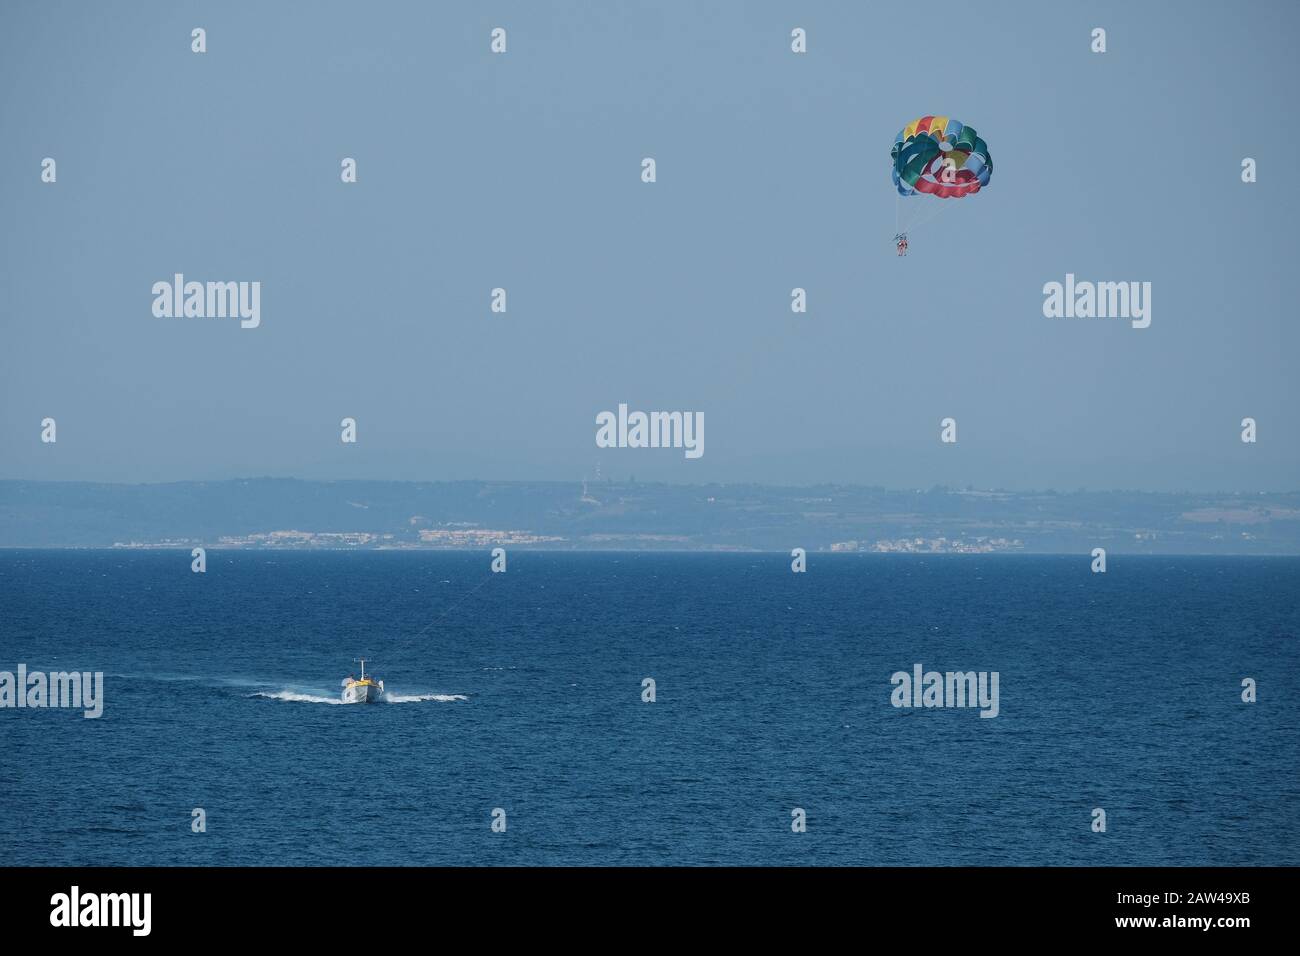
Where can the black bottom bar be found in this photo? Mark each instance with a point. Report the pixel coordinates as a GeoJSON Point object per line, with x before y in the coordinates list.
{"type": "Point", "coordinates": [333, 905]}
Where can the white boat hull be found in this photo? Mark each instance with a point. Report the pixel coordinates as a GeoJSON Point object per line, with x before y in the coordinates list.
{"type": "Point", "coordinates": [363, 693]}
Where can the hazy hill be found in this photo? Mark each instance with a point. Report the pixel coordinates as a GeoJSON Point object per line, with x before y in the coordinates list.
{"type": "Point", "coordinates": [248, 513]}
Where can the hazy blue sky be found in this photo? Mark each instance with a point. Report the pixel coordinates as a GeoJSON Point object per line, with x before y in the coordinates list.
{"type": "Point", "coordinates": [523, 171]}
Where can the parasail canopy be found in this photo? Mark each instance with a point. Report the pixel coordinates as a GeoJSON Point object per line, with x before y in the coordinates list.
{"type": "Point", "coordinates": [940, 156]}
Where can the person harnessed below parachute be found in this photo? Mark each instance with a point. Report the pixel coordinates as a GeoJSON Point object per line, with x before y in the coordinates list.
{"type": "Point", "coordinates": [901, 239]}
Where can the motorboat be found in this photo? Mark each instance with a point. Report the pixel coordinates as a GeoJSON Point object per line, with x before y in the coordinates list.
{"type": "Point", "coordinates": [367, 690]}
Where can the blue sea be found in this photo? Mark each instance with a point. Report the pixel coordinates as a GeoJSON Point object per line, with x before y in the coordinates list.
{"type": "Point", "coordinates": [523, 691]}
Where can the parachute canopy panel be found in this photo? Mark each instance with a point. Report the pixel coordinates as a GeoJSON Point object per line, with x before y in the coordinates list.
{"type": "Point", "coordinates": [940, 156]}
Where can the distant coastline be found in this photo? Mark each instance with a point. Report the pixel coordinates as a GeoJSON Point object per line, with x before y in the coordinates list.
{"type": "Point", "coordinates": [290, 514]}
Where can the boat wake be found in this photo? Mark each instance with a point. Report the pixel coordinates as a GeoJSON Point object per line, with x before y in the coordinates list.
{"type": "Point", "coordinates": [296, 694]}
{"type": "Point", "coordinates": [298, 697]}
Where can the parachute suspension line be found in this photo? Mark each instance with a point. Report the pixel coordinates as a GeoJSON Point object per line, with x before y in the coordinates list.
{"type": "Point", "coordinates": [931, 210]}
{"type": "Point", "coordinates": [919, 212]}
{"type": "Point", "coordinates": [932, 213]}
{"type": "Point", "coordinates": [919, 152]}
{"type": "Point", "coordinates": [905, 214]}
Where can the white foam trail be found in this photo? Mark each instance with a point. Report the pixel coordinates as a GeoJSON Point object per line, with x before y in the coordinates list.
{"type": "Point", "coordinates": [301, 698]}
{"type": "Point", "coordinates": [297, 697]}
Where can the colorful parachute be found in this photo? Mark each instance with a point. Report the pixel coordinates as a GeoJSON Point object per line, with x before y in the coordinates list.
{"type": "Point", "coordinates": [940, 156]}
